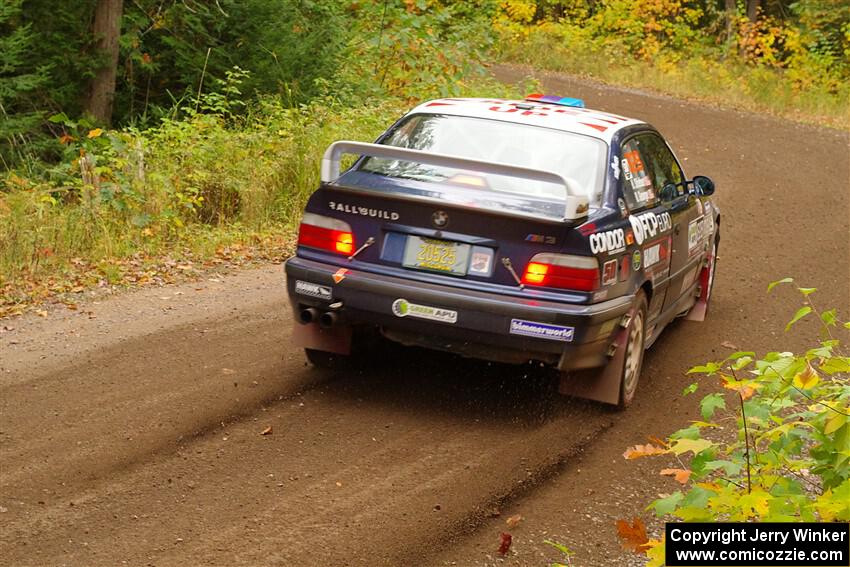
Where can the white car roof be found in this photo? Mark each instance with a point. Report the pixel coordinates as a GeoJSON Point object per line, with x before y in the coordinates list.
{"type": "Point", "coordinates": [594, 123]}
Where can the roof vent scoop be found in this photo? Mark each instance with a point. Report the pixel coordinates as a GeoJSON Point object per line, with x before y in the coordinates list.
{"type": "Point", "coordinates": [554, 99]}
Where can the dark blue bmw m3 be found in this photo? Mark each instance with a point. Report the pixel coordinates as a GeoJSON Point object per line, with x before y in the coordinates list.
{"type": "Point", "coordinates": [507, 230]}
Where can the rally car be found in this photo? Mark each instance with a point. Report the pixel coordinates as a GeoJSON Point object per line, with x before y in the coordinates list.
{"type": "Point", "coordinates": [517, 231]}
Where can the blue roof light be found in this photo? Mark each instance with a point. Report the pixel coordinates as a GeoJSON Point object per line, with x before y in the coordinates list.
{"type": "Point", "coordinates": [552, 99]}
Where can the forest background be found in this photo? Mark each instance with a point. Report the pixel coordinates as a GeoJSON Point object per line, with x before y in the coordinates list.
{"type": "Point", "coordinates": [147, 140]}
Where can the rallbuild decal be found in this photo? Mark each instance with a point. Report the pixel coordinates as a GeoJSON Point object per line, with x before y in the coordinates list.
{"type": "Point", "coordinates": [542, 330]}
{"type": "Point", "coordinates": [313, 290]}
{"type": "Point", "coordinates": [403, 308]}
{"type": "Point", "coordinates": [612, 241]}
{"type": "Point", "coordinates": [647, 225]}
{"type": "Point", "coordinates": [363, 211]}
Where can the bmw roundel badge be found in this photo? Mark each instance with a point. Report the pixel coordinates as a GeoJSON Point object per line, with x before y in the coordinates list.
{"type": "Point", "coordinates": [440, 219]}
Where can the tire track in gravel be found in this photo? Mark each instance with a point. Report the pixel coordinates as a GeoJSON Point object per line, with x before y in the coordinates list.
{"type": "Point", "coordinates": [148, 450]}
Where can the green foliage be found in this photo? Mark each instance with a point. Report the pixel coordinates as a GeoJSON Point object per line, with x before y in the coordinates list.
{"type": "Point", "coordinates": [18, 120]}
{"type": "Point", "coordinates": [170, 49]}
{"type": "Point", "coordinates": [145, 189]}
{"type": "Point", "coordinates": [792, 60]}
{"type": "Point", "coordinates": [415, 49]}
{"type": "Point", "coordinates": [789, 457]}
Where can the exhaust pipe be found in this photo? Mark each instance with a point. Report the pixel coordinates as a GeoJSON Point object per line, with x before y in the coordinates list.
{"type": "Point", "coordinates": [327, 320]}
{"type": "Point", "coordinates": [308, 315]}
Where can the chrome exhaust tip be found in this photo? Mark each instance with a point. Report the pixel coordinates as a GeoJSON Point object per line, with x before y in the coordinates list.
{"type": "Point", "coordinates": [308, 315]}
{"type": "Point", "coordinates": [327, 320]}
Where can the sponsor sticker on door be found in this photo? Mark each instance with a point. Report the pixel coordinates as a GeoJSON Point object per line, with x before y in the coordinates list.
{"type": "Point", "coordinates": [403, 308]}
{"type": "Point", "coordinates": [542, 330]}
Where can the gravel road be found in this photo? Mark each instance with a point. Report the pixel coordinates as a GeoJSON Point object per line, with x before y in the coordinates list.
{"type": "Point", "coordinates": [131, 430]}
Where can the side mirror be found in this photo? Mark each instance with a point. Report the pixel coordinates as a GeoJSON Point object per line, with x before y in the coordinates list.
{"type": "Point", "coordinates": [703, 185]}
{"type": "Point", "coordinates": [669, 192]}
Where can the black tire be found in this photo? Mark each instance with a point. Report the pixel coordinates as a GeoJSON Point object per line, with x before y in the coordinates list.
{"type": "Point", "coordinates": [635, 348]}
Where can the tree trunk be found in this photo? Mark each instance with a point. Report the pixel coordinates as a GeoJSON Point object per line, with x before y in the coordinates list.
{"type": "Point", "coordinates": [752, 9]}
{"type": "Point", "coordinates": [731, 12]}
{"type": "Point", "coordinates": [106, 31]}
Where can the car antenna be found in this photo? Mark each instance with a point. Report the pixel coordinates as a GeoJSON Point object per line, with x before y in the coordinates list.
{"type": "Point", "coordinates": [506, 262]}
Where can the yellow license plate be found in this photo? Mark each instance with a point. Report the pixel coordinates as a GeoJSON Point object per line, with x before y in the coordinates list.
{"type": "Point", "coordinates": [436, 255]}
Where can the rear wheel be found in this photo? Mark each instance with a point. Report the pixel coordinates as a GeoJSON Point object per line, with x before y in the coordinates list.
{"type": "Point", "coordinates": [635, 348]}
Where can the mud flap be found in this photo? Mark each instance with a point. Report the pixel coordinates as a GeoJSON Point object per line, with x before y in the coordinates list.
{"type": "Point", "coordinates": [336, 339]}
{"type": "Point", "coordinates": [599, 385]}
{"type": "Point", "coordinates": [700, 308]}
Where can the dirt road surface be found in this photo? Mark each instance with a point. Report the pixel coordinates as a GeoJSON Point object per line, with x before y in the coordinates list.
{"type": "Point", "coordinates": [131, 430]}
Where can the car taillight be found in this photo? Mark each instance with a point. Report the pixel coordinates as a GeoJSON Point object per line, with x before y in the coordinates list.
{"type": "Point", "coordinates": [326, 233]}
{"type": "Point", "coordinates": [562, 271]}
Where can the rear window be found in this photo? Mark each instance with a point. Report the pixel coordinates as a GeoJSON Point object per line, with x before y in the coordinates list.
{"type": "Point", "coordinates": [579, 159]}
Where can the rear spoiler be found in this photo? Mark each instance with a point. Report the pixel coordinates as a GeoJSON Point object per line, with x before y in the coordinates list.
{"type": "Point", "coordinates": [575, 205]}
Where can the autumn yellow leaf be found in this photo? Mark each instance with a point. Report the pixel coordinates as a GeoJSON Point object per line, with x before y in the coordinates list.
{"type": "Point", "coordinates": [754, 504]}
{"type": "Point", "coordinates": [655, 549]}
{"type": "Point", "coordinates": [94, 133]}
{"type": "Point", "coordinates": [639, 451]}
{"type": "Point", "coordinates": [834, 424]}
{"type": "Point", "coordinates": [681, 475]}
{"type": "Point", "coordinates": [745, 388]}
{"type": "Point", "coordinates": [693, 445]}
{"type": "Point", "coordinates": [806, 379]}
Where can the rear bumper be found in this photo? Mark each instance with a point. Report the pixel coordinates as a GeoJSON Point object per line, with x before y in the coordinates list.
{"type": "Point", "coordinates": [471, 323]}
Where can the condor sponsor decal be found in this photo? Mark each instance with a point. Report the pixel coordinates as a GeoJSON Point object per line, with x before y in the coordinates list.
{"type": "Point", "coordinates": [363, 211]}
{"type": "Point", "coordinates": [542, 330]}
{"type": "Point", "coordinates": [612, 241]}
{"type": "Point", "coordinates": [648, 225]}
